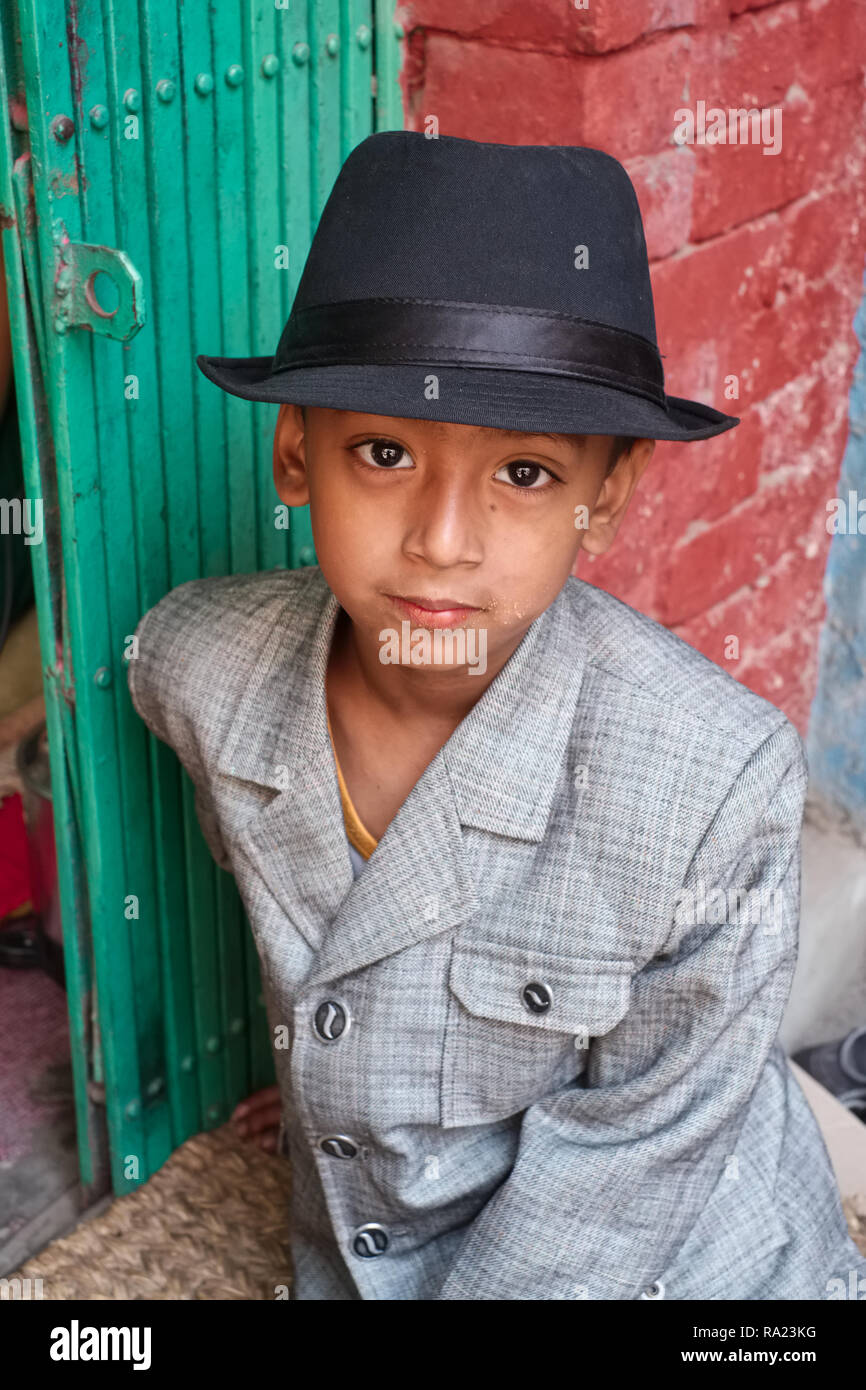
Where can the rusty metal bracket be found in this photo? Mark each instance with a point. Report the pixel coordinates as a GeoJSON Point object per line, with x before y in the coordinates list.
{"type": "Point", "coordinates": [79, 269]}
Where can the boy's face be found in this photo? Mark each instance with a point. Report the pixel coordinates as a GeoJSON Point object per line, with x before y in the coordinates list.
{"type": "Point", "coordinates": [481, 522]}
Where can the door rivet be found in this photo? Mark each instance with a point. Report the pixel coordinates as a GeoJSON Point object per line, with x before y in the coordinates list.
{"type": "Point", "coordinates": [364, 35]}
{"type": "Point", "coordinates": [62, 128]}
{"type": "Point", "coordinates": [132, 99]}
{"type": "Point", "coordinates": [103, 677]}
{"type": "Point", "coordinates": [301, 54]}
{"type": "Point", "coordinates": [98, 117]}
{"type": "Point", "coordinates": [235, 75]}
{"type": "Point", "coordinates": [270, 64]}
{"type": "Point", "coordinates": [204, 84]}
{"type": "Point", "coordinates": [165, 90]}
{"type": "Point", "coordinates": [332, 45]}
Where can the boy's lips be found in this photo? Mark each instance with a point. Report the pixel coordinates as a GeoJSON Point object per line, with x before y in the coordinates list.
{"type": "Point", "coordinates": [434, 612]}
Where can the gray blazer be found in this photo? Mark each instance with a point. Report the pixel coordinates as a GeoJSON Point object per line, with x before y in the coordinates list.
{"type": "Point", "coordinates": [532, 1048]}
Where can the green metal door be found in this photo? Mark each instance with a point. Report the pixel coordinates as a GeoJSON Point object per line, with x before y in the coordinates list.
{"type": "Point", "coordinates": [161, 171]}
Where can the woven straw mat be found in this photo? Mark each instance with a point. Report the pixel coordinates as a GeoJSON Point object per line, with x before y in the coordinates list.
{"type": "Point", "coordinates": [212, 1223]}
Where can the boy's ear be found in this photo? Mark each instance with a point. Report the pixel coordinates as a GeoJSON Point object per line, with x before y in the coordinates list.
{"type": "Point", "coordinates": [615, 495]}
{"type": "Point", "coordinates": [290, 460]}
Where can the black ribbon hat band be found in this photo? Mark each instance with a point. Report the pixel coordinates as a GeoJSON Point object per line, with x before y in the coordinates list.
{"type": "Point", "coordinates": [448, 333]}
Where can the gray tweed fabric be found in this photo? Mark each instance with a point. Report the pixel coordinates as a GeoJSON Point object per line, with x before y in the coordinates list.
{"type": "Point", "coordinates": [615, 823]}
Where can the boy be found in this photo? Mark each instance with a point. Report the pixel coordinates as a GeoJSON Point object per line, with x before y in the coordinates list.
{"type": "Point", "coordinates": [528, 1060]}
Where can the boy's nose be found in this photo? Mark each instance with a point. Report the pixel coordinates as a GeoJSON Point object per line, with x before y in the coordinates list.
{"type": "Point", "coordinates": [447, 524]}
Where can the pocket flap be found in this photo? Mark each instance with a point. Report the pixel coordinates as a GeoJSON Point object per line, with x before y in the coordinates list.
{"type": "Point", "coordinates": [577, 995]}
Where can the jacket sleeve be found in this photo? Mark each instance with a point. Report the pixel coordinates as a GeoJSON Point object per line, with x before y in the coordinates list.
{"type": "Point", "coordinates": [610, 1175]}
{"type": "Point", "coordinates": [156, 680]}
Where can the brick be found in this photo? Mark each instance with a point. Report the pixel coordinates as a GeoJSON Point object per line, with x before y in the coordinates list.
{"type": "Point", "coordinates": [779, 658]}
{"type": "Point", "coordinates": [482, 92]}
{"type": "Point", "coordinates": [835, 39]}
{"type": "Point", "coordinates": [708, 286]}
{"type": "Point", "coordinates": [786, 672]}
{"type": "Point", "coordinates": [788, 595]}
{"type": "Point", "coordinates": [777, 621]}
{"type": "Point", "coordinates": [736, 183]}
{"type": "Point", "coordinates": [485, 92]}
{"type": "Point", "coordinates": [786, 514]}
{"type": "Point", "coordinates": [724, 557]}
{"type": "Point", "coordinates": [537, 22]}
{"type": "Point", "coordinates": [608, 26]}
{"type": "Point", "coordinates": [809, 416]}
{"type": "Point", "coordinates": [557, 24]}
{"type": "Point", "coordinates": [745, 271]}
{"type": "Point", "coordinates": [742, 304]}
{"type": "Point", "coordinates": [776, 346]}
{"type": "Point", "coordinates": [663, 183]}
{"type": "Point", "coordinates": [698, 481]}
{"type": "Point", "coordinates": [626, 100]}
{"type": "Point", "coordinates": [826, 235]}
{"type": "Point", "coordinates": [720, 473]}
{"type": "Point", "coordinates": [738, 7]}
{"type": "Point", "coordinates": [756, 59]}
{"type": "Point", "coordinates": [413, 74]}
{"type": "Point", "coordinates": [629, 98]}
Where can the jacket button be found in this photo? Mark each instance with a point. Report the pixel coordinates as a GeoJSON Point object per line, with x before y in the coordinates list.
{"type": "Point", "coordinates": [536, 997]}
{"type": "Point", "coordinates": [369, 1240]}
{"type": "Point", "coordinates": [338, 1146]}
{"type": "Point", "coordinates": [656, 1290]}
{"type": "Point", "coordinates": [331, 1020]}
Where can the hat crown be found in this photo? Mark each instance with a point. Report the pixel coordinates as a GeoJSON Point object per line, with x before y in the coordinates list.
{"type": "Point", "coordinates": [543, 227]}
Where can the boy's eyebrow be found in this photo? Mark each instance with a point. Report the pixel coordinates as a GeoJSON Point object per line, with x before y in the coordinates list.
{"type": "Point", "coordinates": [541, 434]}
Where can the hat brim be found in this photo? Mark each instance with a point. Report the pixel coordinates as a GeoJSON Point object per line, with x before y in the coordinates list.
{"type": "Point", "coordinates": [495, 397]}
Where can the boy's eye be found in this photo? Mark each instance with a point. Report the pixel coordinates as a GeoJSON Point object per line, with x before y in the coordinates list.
{"type": "Point", "coordinates": [383, 453]}
{"type": "Point", "coordinates": [524, 474]}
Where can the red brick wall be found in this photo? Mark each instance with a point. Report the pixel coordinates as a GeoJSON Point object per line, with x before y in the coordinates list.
{"type": "Point", "coordinates": [757, 265]}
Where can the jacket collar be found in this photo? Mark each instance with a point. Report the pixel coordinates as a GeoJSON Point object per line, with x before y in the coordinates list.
{"type": "Point", "coordinates": [497, 772]}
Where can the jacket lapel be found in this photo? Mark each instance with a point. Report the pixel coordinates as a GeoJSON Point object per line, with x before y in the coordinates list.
{"type": "Point", "coordinates": [497, 772]}
{"type": "Point", "coordinates": [279, 739]}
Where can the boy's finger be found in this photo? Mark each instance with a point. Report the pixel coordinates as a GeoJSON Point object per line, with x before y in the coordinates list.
{"type": "Point", "coordinates": [268, 1096]}
{"type": "Point", "coordinates": [263, 1119]}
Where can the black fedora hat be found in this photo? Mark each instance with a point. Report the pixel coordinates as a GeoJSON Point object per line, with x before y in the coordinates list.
{"type": "Point", "coordinates": [482, 284]}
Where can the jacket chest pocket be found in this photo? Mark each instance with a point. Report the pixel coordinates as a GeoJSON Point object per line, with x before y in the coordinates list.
{"type": "Point", "coordinates": [519, 1023]}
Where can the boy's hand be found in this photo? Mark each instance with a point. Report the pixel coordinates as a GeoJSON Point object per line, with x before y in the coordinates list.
{"type": "Point", "coordinates": [258, 1117]}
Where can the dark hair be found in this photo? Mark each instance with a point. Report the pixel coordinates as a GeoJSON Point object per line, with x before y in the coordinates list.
{"type": "Point", "coordinates": [620, 444]}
